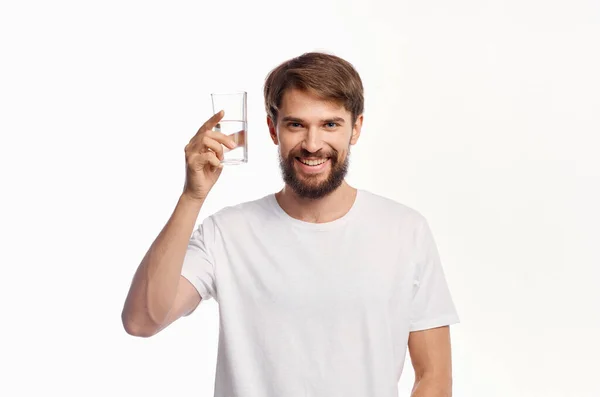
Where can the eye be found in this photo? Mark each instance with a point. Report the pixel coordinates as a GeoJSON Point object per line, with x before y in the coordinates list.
{"type": "Point", "coordinates": [294, 125]}
{"type": "Point", "coordinates": [331, 124]}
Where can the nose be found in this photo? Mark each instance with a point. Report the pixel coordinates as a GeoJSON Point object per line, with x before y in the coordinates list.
{"type": "Point", "coordinates": [313, 141]}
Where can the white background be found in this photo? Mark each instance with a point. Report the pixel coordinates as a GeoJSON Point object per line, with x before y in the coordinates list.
{"type": "Point", "coordinates": [482, 115]}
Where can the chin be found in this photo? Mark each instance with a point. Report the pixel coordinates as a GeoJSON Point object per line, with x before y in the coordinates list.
{"type": "Point", "coordinates": [313, 185]}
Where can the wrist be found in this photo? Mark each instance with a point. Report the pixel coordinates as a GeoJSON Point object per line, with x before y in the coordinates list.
{"type": "Point", "coordinates": [191, 201]}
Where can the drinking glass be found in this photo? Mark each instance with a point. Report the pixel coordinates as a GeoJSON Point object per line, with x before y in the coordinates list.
{"type": "Point", "coordinates": [234, 124]}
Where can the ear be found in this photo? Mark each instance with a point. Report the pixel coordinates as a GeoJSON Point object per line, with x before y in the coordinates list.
{"type": "Point", "coordinates": [272, 130]}
{"type": "Point", "coordinates": [356, 130]}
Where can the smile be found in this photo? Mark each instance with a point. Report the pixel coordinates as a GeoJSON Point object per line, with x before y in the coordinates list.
{"type": "Point", "coordinates": [313, 167]}
{"type": "Point", "coordinates": [312, 163]}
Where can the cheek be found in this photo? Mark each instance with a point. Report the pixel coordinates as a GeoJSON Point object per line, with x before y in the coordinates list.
{"type": "Point", "coordinates": [342, 146]}
{"type": "Point", "coordinates": [289, 143]}
{"type": "Point", "coordinates": [342, 154]}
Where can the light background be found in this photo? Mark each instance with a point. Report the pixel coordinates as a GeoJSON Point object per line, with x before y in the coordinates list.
{"type": "Point", "coordinates": [482, 115]}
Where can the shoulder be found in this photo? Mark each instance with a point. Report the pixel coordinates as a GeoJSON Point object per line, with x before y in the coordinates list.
{"type": "Point", "coordinates": [386, 209]}
{"type": "Point", "coordinates": [258, 208]}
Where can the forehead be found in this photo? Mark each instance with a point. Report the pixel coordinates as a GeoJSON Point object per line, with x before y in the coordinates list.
{"type": "Point", "coordinates": [307, 105]}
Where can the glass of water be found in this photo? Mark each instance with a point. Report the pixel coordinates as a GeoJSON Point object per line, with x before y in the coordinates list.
{"type": "Point", "coordinates": [234, 124]}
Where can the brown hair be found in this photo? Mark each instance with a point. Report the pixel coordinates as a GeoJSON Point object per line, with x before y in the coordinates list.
{"type": "Point", "coordinates": [328, 76]}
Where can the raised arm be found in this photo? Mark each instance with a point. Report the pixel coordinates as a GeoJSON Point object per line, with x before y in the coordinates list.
{"type": "Point", "coordinates": [159, 294]}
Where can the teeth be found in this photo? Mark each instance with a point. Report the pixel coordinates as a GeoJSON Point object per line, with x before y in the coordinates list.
{"type": "Point", "coordinates": [313, 162]}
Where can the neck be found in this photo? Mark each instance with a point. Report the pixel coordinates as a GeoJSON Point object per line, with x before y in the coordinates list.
{"type": "Point", "coordinates": [326, 209]}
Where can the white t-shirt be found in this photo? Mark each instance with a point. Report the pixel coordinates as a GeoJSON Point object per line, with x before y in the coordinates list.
{"type": "Point", "coordinates": [317, 310]}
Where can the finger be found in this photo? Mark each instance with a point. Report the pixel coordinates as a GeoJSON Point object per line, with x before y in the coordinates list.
{"type": "Point", "coordinates": [212, 122]}
{"type": "Point", "coordinates": [210, 158]}
{"type": "Point", "coordinates": [227, 140]}
{"type": "Point", "coordinates": [199, 161]}
{"type": "Point", "coordinates": [238, 138]}
{"type": "Point", "coordinates": [210, 139]}
{"type": "Point", "coordinates": [209, 143]}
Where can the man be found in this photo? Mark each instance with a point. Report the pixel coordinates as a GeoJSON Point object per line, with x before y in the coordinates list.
{"type": "Point", "coordinates": [321, 286]}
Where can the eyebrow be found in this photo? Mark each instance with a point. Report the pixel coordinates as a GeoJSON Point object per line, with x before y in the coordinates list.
{"type": "Point", "coordinates": [298, 120]}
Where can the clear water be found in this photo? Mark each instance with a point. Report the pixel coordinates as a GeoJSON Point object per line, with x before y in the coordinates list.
{"type": "Point", "coordinates": [236, 129]}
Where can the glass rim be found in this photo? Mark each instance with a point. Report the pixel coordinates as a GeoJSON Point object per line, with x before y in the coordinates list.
{"type": "Point", "coordinates": [228, 93]}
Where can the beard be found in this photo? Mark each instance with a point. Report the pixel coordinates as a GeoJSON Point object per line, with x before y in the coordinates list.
{"type": "Point", "coordinates": [310, 186]}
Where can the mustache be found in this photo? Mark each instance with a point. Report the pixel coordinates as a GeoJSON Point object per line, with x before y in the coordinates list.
{"type": "Point", "coordinates": [305, 153]}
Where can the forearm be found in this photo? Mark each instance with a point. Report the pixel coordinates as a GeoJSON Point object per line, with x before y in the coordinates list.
{"type": "Point", "coordinates": [430, 386]}
{"type": "Point", "coordinates": [154, 286]}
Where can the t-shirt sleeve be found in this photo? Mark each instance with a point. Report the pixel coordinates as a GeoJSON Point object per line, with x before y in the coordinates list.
{"type": "Point", "coordinates": [198, 264]}
{"type": "Point", "coordinates": [432, 304]}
